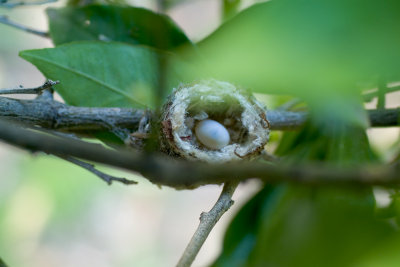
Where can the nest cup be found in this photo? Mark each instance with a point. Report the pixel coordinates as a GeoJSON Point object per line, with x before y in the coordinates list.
{"type": "Point", "coordinates": [235, 108]}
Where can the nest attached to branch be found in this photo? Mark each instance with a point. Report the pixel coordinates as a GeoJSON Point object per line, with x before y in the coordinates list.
{"type": "Point", "coordinates": [234, 108]}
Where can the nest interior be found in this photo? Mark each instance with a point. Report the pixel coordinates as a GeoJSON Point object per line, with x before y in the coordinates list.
{"type": "Point", "coordinates": [242, 115]}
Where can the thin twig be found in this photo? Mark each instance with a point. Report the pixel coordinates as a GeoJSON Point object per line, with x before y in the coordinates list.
{"type": "Point", "coordinates": [6, 21]}
{"type": "Point", "coordinates": [371, 95]}
{"type": "Point", "coordinates": [36, 90]}
{"type": "Point", "coordinates": [90, 167]}
{"type": "Point", "coordinates": [6, 4]}
{"type": "Point", "coordinates": [382, 90]}
{"type": "Point", "coordinates": [207, 223]}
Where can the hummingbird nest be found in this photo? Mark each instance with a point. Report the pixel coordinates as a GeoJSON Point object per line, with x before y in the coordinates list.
{"type": "Point", "coordinates": [227, 108]}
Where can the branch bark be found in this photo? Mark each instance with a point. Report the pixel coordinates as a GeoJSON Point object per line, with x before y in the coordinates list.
{"type": "Point", "coordinates": [5, 4]}
{"type": "Point", "coordinates": [384, 117]}
{"type": "Point", "coordinates": [181, 174]}
{"type": "Point", "coordinates": [55, 115]}
{"type": "Point", "coordinates": [36, 90]}
{"type": "Point", "coordinates": [207, 223]}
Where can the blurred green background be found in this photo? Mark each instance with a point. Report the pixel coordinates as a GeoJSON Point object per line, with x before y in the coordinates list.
{"type": "Point", "coordinates": [55, 214]}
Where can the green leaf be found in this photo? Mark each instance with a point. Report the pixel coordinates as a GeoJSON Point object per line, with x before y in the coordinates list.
{"type": "Point", "coordinates": [2, 264]}
{"type": "Point", "coordinates": [386, 255]}
{"type": "Point", "coordinates": [317, 50]}
{"type": "Point", "coordinates": [304, 226]}
{"type": "Point", "coordinates": [98, 74]}
{"type": "Point", "coordinates": [298, 225]}
{"type": "Point", "coordinates": [320, 227]}
{"type": "Point", "coordinates": [340, 144]}
{"type": "Point", "coordinates": [242, 234]}
{"type": "Point", "coordinates": [230, 8]}
{"type": "Point", "coordinates": [114, 23]}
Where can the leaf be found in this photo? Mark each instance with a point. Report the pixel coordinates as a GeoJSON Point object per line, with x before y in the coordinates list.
{"type": "Point", "coordinates": [320, 227]}
{"type": "Point", "coordinates": [297, 225]}
{"type": "Point", "coordinates": [230, 8]}
{"type": "Point", "coordinates": [2, 264]}
{"type": "Point", "coordinates": [317, 50]}
{"type": "Point", "coordinates": [386, 255]}
{"type": "Point", "coordinates": [241, 236]}
{"type": "Point", "coordinates": [304, 226]}
{"type": "Point", "coordinates": [98, 74]}
{"type": "Point", "coordinates": [114, 23]}
{"type": "Point", "coordinates": [337, 143]}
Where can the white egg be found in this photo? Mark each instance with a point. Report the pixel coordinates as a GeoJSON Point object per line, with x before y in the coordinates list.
{"type": "Point", "coordinates": [212, 134]}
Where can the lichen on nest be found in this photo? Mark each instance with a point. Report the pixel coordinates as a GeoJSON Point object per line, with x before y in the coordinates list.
{"type": "Point", "coordinates": [233, 107]}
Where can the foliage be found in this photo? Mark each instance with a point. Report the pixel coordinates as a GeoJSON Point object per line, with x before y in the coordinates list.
{"type": "Point", "coordinates": [320, 51]}
{"type": "Point", "coordinates": [100, 74]}
{"type": "Point", "coordinates": [324, 52]}
{"type": "Point", "coordinates": [109, 74]}
{"type": "Point", "coordinates": [124, 24]}
{"type": "Point", "coordinates": [291, 225]}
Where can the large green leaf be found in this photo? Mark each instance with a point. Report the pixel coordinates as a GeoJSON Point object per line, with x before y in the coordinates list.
{"type": "Point", "coordinates": [386, 255]}
{"type": "Point", "coordinates": [98, 74]}
{"type": "Point", "coordinates": [242, 235]}
{"type": "Point", "coordinates": [114, 23]}
{"type": "Point", "coordinates": [304, 226]}
{"type": "Point", "coordinates": [318, 50]}
{"type": "Point", "coordinates": [294, 225]}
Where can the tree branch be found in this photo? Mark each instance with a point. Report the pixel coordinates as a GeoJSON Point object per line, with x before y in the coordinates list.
{"type": "Point", "coordinates": [384, 117]}
{"type": "Point", "coordinates": [371, 95]}
{"type": "Point", "coordinates": [4, 3]}
{"type": "Point", "coordinates": [182, 174]}
{"type": "Point", "coordinates": [36, 90]}
{"type": "Point", "coordinates": [286, 120]}
{"type": "Point", "coordinates": [55, 115]}
{"type": "Point", "coordinates": [6, 21]}
{"type": "Point", "coordinates": [207, 223]}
